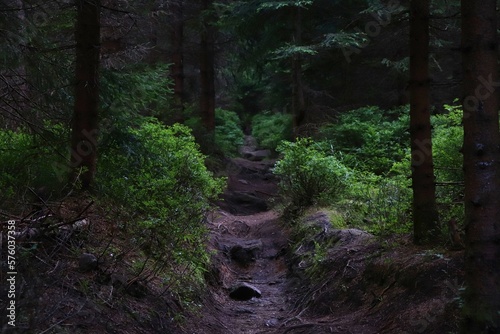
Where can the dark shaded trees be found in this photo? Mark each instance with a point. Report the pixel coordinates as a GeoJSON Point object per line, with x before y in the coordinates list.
{"type": "Point", "coordinates": [481, 167]}
{"type": "Point", "coordinates": [177, 58]}
{"type": "Point", "coordinates": [298, 99]}
{"type": "Point", "coordinates": [425, 214]}
{"type": "Point", "coordinates": [85, 115]}
{"type": "Point", "coordinates": [207, 64]}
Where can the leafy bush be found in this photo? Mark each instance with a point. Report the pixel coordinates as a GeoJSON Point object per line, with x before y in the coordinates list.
{"type": "Point", "coordinates": [158, 173]}
{"type": "Point", "coordinates": [448, 136]}
{"type": "Point", "coordinates": [378, 204]}
{"type": "Point", "coordinates": [447, 141]}
{"type": "Point", "coordinates": [271, 128]}
{"type": "Point", "coordinates": [228, 132]}
{"type": "Point", "coordinates": [307, 175]}
{"type": "Point", "coordinates": [372, 139]}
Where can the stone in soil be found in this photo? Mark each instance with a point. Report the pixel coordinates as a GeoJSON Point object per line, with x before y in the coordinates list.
{"type": "Point", "coordinates": [246, 252]}
{"type": "Point", "coordinates": [243, 291]}
{"type": "Point", "coordinates": [257, 155]}
{"type": "Point", "coordinates": [87, 262]}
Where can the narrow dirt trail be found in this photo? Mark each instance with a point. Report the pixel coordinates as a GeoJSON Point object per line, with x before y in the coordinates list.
{"type": "Point", "coordinates": [267, 273]}
{"type": "Point", "coordinates": [250, 290]}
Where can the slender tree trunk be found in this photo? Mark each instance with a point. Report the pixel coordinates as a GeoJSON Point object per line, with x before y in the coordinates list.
{"type": "Point", "coordinates": [207, 74]}
{"type": "Point", "coordinates": [425, 214]}
{"type": "Point", "coordinates": [85, 115]}
{"type": "Point", "coordinates": [14, 85]}
{"type": "Point", "coordinates": [481, 167]}
{"type": "Point", "coordinates": [298, 101]}
{"type": "Point", "coordinates": [22, 87]}
{"type": "Point", "coordinates": [177, 69]}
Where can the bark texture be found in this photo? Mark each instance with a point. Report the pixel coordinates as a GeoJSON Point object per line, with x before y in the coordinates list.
{"type": "Point", "coordinates": [481, 151]}
{"type": "Point", "coordinates": [425, 214]}
{"type": "Point", "coordinates": [85, 115]}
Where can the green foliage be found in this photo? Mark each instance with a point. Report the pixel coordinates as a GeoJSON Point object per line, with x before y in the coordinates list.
{"type": "Point", "coordinates": [366, 143]}
{"type": "Point", "coordinates": [307, 175]}
{"type": "Point", "coordinates": [192, 119]}
{"type": "Point", "coordinates": [372, 139]}
{"type": "Point", "coordinates": [228, 132]}
{"type": "Point", "coordinates": [138, 90]}
{"type": "Point", "coordinates": [158, 173]}
{"type": "Point", "coordinates": [276, 5]}
{"type": "Point", "coordinates": [343, 39]}
{"type": "Point", "coordinates": [402, 66]}
{"type": "Point", "coordinates": [290, 50]}
{"type": "Point", "coordinates": [374, 144]}
{"type": "Point", "coordinates": [378, 204]}
{"type": "Point", "coordinates": [447, 141]}
{"type": "Point", "coordinates": [271, 128]}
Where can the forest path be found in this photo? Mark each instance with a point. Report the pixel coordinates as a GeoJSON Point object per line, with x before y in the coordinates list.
{"type": "Point", "coordinates": [252, 289]}
{"type": "Point", "coordinates": [249, 285]}
{"type": "Point", "coordinates": [251, 295]}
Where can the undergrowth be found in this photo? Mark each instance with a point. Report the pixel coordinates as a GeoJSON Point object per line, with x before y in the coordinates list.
{"type": "Point", "coordinates": [360, 166]}
{"type": "Point", "coordinates": [271, 128]}
{"type": "Point", "coordinates": [228, 132]}
{"type": "Point", "coordinates": [159, 174]}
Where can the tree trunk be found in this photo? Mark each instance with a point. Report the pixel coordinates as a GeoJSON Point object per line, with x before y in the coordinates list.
{"type": "Point", "coordinates": [22, 86]}
{"type": "Point", "coordinates": [425, 214]}
{"type": "Point", "coordinates": [481, 167]}
{"type": "Point", "coordinates": [85, 115]}
{"type": "Point", "coordinates": [177, 69]}
{"type": "Point", "coordinates": [14, 84]}
{"type": "Point", "coordinates": [207, 76]}
{"type": "Point", "coordinates": [298, 101]}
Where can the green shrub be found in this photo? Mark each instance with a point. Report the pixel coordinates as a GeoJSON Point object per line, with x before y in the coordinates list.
{"type": "Point", "coordinates": [447, 141]}
{"type": "Point", "coordinates": [448, 136]}
{"type": "Point", "coordinates": [271, 128]}
{"type": "Point", "coordinates": [370, 138]}
{"type": "Point", "coordinates": [307, 175]}
{"type": "Point", "coordinates": [378, 204]}
{"type": "Point", "coordinates": [158, 173]}
{"type": "Point", "coordinates": [228, 132]}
